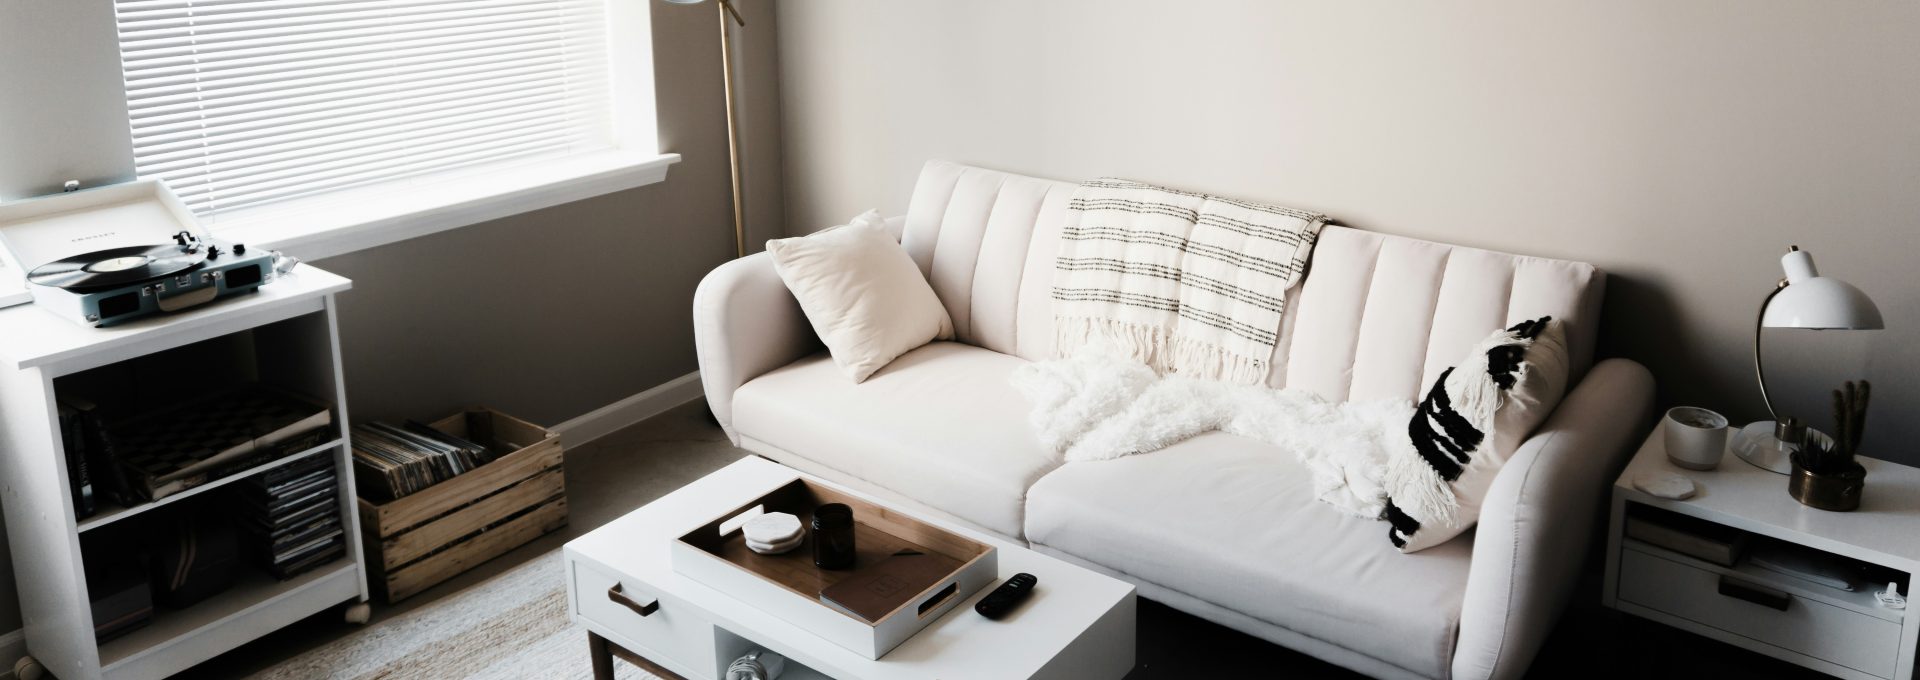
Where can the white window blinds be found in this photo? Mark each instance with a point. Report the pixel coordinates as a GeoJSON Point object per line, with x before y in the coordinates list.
{"type": "Point", "coordinates": [242, 103]}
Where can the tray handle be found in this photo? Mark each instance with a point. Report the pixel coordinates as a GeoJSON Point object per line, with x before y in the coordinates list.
{"type": "Point", "coordinates": [733, 524]}
{"type": "Point", "coordinates": [642, 608]}
{"type": "Point", "coordinates": [935, 600]}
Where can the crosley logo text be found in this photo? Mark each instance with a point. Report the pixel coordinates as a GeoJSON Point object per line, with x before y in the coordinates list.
{"type": "Point", "coordinates": [90, 237]}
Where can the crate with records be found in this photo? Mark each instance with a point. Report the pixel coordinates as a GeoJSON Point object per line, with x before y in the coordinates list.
{"type": "Point", "coordinates": [439, 498]}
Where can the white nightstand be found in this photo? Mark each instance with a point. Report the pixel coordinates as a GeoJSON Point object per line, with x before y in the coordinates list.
{"type": "Point", "coordinates": [1848, 634]}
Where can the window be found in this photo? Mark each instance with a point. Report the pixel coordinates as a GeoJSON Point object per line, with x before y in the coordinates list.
{"type": "Point", "coordinates": [242, 104]}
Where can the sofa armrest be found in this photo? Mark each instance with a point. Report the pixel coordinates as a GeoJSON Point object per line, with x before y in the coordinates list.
{"type": "Point", "coordinates": [1540, 517]}
{"type": "Point", "coordinates": [745, 323]}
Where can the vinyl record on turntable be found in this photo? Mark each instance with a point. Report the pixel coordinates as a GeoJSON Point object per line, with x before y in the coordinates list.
{"type": "Point", "coordinates": [115, 267]}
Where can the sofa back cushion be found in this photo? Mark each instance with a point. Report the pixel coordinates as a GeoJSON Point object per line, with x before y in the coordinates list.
{"type": "Point", "coordinates": [1378, 316]}
{"type": "Point", "coordinates": [1381, 316]}
{"type": "Point", "coordinates": [985, 239]}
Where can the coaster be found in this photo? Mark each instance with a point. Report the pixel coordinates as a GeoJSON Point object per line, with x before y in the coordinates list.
{"type": "Point", "coordinates": [771, 528]}
{"type": "Point", "coordinates": [775, 548]}
{"type": "Point", "coordinates": [1666, 485]}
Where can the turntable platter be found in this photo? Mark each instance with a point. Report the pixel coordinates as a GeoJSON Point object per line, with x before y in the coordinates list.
{"type": "Point", "coordinates": [116, 267]}
{"type": "Point", "coordinates": [118, 264]}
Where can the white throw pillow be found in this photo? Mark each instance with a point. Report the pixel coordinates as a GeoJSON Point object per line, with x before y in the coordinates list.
{"type": "Point", "coordinates": [1471, 421]}
{"type": "Point", "coordinates": [863, 294]}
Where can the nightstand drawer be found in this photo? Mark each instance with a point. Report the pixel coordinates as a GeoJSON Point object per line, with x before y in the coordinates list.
{"type": "Point", "coordinates": [636, 615]}
{"type": "Point", "coordinates": [1755, 611]}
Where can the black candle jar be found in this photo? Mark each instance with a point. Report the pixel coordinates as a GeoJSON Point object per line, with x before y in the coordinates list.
{"type": "Point", "coordinates": [833, 536]}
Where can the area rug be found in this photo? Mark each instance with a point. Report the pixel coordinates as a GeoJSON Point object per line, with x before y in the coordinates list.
{"type": "Point", "coordinates": [512, 626]}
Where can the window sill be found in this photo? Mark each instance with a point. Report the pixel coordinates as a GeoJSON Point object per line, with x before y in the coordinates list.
{"type": "Point", "coordinates": [341, 226]}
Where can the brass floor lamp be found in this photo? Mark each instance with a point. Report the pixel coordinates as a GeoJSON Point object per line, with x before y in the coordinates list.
{"type": "Point", "coordinates": [727, 12]}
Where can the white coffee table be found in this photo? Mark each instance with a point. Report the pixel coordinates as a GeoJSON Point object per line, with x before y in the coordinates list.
{"type": "Point", "coordinates": [1077, 624]}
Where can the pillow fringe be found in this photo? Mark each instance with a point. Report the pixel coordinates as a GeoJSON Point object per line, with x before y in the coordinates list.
{"type": "Point", "coordinates": [1417, 489]}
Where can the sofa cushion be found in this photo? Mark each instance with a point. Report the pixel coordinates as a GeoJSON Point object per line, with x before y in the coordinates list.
{"type": "Point", "coordinates": [861, 293]}
{"type": "Point", "coordinates": [940, 425]}
{"type": "Point", "coordinates": [1233, 522]}
{"type": "Point", "coordinates": [1474, 418]}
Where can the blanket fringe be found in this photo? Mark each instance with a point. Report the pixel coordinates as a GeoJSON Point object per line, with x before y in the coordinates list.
{"type": "Point", "coordinates": [1158, 348]}
{"type": "Point", "coordinates": [1213, 362]}
{"type": "Point", "coordinates": [1142, 342]}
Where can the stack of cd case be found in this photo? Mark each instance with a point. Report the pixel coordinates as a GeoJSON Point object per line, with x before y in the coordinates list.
{"type": "Point", "coordinates": [295, 516]}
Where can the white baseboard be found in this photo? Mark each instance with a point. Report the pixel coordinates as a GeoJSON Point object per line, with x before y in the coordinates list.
{"type": "Point", "coordinates": [12, 646]}
{"type": "Point", "coordinates": [611, 418]}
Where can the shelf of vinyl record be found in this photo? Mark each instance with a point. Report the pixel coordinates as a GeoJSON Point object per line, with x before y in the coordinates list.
{"type": "Point", "coordinates": [337, 581]}
{"type": "Point", "coordinates": [199, 453]}
{"type": "Point", "coordinates": [202, 521]}
{"type": "Point", "coordinates": [175, 548]}
{"type": "Point", "coordinates": [108, 512]}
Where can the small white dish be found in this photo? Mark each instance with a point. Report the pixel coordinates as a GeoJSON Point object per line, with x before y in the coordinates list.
{"type": "Point", "coordinates": [1666, 485]}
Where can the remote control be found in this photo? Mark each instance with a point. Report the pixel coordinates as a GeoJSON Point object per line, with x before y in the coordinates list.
{"type": "Point", "coordinates": [1009, 595]}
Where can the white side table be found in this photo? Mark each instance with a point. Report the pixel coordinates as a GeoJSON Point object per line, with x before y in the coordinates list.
{"type": "Point", "coordinates": [1847, 634]}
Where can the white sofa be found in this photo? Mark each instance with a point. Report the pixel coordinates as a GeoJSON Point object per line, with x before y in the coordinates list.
{"type": "Point", "coordinates": [941, 431]}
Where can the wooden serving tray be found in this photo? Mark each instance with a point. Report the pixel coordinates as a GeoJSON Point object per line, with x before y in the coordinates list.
{"type": "Point", "coordinates": [788, 585]}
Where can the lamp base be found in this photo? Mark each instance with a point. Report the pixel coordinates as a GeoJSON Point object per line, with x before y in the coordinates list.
{"type": "Point", "coordinates": [1757, 444]}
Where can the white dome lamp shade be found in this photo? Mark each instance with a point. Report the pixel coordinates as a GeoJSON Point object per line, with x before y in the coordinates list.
{"type": "Point", "coordinates": [1809, 300]}
{"type": "Point", "coordinates": [1804, 299]}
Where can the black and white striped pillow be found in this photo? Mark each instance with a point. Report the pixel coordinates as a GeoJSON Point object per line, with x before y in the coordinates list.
{"type": "Point", "coordinates": [1473, 417]}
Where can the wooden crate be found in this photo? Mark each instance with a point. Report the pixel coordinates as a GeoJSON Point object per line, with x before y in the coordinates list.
{"type": "Point", "coordinates": [435, 534]}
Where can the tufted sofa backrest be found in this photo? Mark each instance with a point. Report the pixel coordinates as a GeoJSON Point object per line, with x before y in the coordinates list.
{"type": "Point", "coordinates": [1377, 316]}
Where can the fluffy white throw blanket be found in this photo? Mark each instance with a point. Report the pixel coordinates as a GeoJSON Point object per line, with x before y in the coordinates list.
{"type": "Point", "coordinates": [1187, 283]}
{"type": "Point", "coordinates": [1100, 404]}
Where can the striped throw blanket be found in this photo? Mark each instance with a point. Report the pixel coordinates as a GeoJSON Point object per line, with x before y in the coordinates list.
{"type": "Point", "coordinates": [1187, 283]}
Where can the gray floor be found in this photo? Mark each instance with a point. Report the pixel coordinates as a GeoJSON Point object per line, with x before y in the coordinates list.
{"type": "Point", "coordinates": [611, 476]}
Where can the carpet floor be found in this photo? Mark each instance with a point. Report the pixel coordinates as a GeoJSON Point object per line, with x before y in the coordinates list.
{"type": "Point", "coordinates": [509, 627]}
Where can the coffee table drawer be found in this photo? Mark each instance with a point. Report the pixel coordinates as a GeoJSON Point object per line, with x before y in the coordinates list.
{"type": "Point", "coordinates": [1752, 610]}
{"type": "Point", "coordinates": [661, 627]}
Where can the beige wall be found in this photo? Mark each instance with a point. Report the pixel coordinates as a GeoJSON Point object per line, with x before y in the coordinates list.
{"type": "Point", "coordinates": [1680, 145]}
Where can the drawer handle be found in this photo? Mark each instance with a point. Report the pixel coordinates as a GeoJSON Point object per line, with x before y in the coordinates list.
{"type": "Point", "coordinates": [650, 606]}
{"type": "Point", "coordinates": [1765, 597]}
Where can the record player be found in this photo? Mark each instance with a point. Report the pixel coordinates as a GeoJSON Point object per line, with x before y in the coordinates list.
{"type": "Point", "coordinates": [112, 254]}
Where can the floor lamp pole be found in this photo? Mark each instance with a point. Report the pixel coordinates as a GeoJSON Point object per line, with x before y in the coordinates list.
{"type": "Point", "coordinates": [733, 126]}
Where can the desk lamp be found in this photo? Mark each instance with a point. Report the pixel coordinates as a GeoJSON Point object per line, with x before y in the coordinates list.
{"type": "Point", "coordinates": [1804, 299]}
